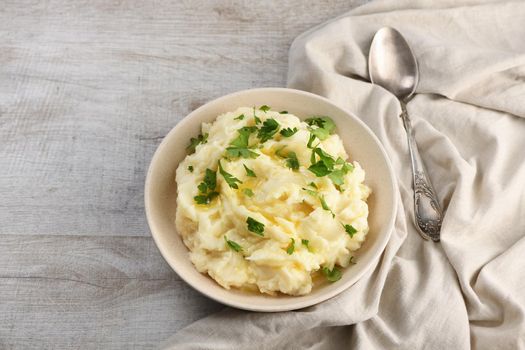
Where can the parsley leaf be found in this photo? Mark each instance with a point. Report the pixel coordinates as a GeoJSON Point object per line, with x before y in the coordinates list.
{"type": "Point", "coordinates": [207, 188]}
{"type": "Point", "coordinates": [333, 275]}
{"type": "Point", "coordinates": [288, 132]}
{"type": "Point", "coordinates": [268, 129]}
{"type": "Point", "coordinates": [229, 178]}
{"type": "Point", "coordinates": [291, 161]}
{"type": "Point", "coordinates": [249, 172]}
{"type": "Point", "coordinates": [312, 185]}
{"type": "Point", "coordinates": [325, 158]}
{"type": "Point", "coordinates": [310, 192]}
{"type": "Point", "coordinates": [305, 242]}
{"type": "Point", "coordinates": [205, 198]}
{"type": "Point", "coordinates": [350, 230]}
{"type": "Point", "coordinates": [291, 247]}
{"type": "Point", "coordinates": [244, 135]}
{"type": "Point", "coordinates": [257, 120]}
{"type": "Point", "coordinates": [241, 117]}
{"type": "Point", "coordinates": [310, 140]}
{"type": "Point", "coordinates": [238, 152]}
{"type": "Point", "coordinates": [283, 112]}
{"type": "Point", "coordinates": [190, 168]}
{"type": "Point", "coordinates": [233, 245]}
{"type": "Point", "coordinates": [321, 134]}
{"type": "Point", "coordinates": [248, 192]}
{"type": "Point", "coordinates": [319, 169]}
{"type": "Point", "coordinates": [322, 123]}
{"type": "Point", "coordinates": [210, 179]}
{"type": "Point", "coordinates": [325, 206]}
{"type": "Point", "coordinates": [194, 142]}
{"type": "Point", "coordinates": [264, 108]}
{"type": "Point", "coordinates": [255, 226]}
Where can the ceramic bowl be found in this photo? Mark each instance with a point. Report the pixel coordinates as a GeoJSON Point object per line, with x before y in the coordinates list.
{"type": "Point", "coordinates": [361, 145]}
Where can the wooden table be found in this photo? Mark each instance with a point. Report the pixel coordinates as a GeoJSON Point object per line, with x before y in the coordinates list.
{"type": "Point", "coordinates": [87, 92]}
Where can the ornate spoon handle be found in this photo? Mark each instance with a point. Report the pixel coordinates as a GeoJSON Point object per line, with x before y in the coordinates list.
{"type": "Point", "coordinates": [428, 214]}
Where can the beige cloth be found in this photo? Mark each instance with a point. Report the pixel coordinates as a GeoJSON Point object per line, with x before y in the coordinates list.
{"type": "Point", "coordinates": [469, 290]}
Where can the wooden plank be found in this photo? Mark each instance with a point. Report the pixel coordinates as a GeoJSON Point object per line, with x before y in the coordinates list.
{"type": "Point", "coordinates": [88, 90]}
{"type": "Point", "coordinates": [90, 292]}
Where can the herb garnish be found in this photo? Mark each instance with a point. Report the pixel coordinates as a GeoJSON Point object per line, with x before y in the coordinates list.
{"type": "Point", "coordinates": [327, 166]}
{"type": "Point", "coordinates": [305, 242]}
{"type": "Point", "coordinates": [249, 172]}
{"type": "Point", "coordinates": [241, 117]}
{"type": "Point", "coordinates": [207, 188]}
{"type": "Point", "coordinates": [268, 129]}
{"type": "Point", "coordinates": [264, 108]}
{"type": "Point", "coordinates": [291, 161]}
{"type": "Point", "coordinates": [257, 120]}
{"type": "Point", "coordinates": [291, 247]}
{"type": "Point", "coordinates": [288, 132]}
{"type": "Point", "coordinates": [248, 192]}
{"type": "Point", "coordinates": [255, 226]}
{"type": "Point", "coordinates": [239, 145]}
{"type": "Point", "coordinates": [233, 245]}
{"type": "Point", "coordinates": [229, 178]}
{"type": "Point", "coordinates": [325, 206]}
{"type": "Point", "coordinates": [333, 275]}
{"type": "Point", "coordinates": [190, 168]}
{"type": "Point", "coordinates": [194, 142]}
{"type": "Point", "coordinates": [283, 112]}
{"type": "Point", "coordinates": [350, 230]}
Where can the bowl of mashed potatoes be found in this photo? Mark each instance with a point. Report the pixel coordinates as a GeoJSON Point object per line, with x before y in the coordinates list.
{"type": "Point", "coordinates": [270, 199]}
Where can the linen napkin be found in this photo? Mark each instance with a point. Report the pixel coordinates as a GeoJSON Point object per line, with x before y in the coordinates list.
{"type": "Point", "coordinates": [468, 291]}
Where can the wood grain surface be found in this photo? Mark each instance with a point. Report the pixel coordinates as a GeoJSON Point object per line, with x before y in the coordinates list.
{"type": "Point", "coordinates": [87, 91]}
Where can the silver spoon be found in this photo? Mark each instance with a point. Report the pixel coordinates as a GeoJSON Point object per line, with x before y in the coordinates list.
{"type": "Point", "coordinates": [392, 65]}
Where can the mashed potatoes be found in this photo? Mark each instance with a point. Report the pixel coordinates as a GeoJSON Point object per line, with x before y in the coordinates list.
{"type": "Point", "coordinates": [266, 201]}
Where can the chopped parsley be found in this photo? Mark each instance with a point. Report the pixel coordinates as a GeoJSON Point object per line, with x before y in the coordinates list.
{"type": "Point", "coordinates": [326, 166]}
{"type": "Point", "coordinates": [268, 129]}
{"type": "Point", "coordinates": [237, 152]}
{"type": "Point", "coordinates": [310, 192]}
{"type": "Point", "coordinates": [233, 245]}
{"type": "Point", "coordinates": [244, 136]}
{"type": "Point", "coordinates": [325, 206]}
{"type": "Point", "coordinates": [195, 141]}
{"type": "Point", "coordinates": [264, 108]}
{"type": "Point", "coordinates": [331, 275]}
{"type": "Point", "coordinates": [205, 199]}
{"type": "Point", "coordinates": [229, 178]}
{"type": "Point", "coordinates": [312, 185]}
{"type": "Point", "coordinates": [257, 120]}
{"type": "Point", "coordinates": [305, 242]}
{"type": "Point", "coordinates": [255, 226]}
{"type": "Point", "coordinates": [291, 247]}
{"type": "Point", "coordinates": [207, 188]}
{"type": "Point", "coordinates": [310, 140]}
{"type": "Point", "coordinates": [283, 112]}
{"type": "Point", "coordinates": [239, 146]}
{"type": "Point", "coordinates": [321, 122]}
{"type": "Point", "coordinates": [291, 161]}
{"type": "Point", "coordinates": [249, 172]}
{"type": "Point", "coordinates": [319, 169]}
{"type": "Point", "coordinates": [190, 168]}
{"type": "Point", "coordinates": [241, 117]}
{"type": "Point", "coordinates": [288, 132]}
{"type": "Point", "coordinates": [350, 230]}
{"type": "Point", "coordinates": [248, 192]}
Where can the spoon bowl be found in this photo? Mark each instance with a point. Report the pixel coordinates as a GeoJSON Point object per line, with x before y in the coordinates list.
{"type": "Point", "coordinates": [392, 64]}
